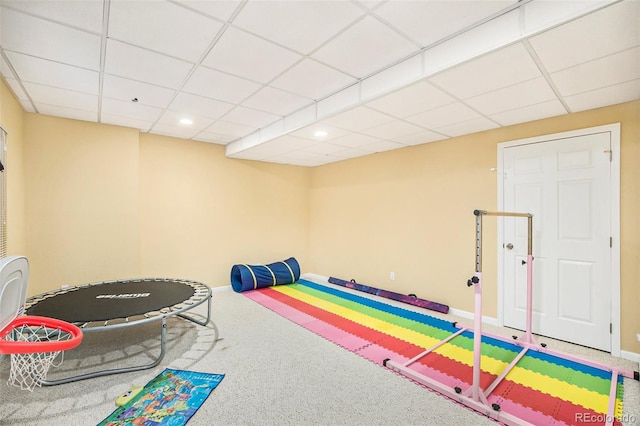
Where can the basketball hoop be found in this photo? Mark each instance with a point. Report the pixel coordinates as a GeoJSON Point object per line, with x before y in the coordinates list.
{"type": "Point", "coordinates": [34, 343]}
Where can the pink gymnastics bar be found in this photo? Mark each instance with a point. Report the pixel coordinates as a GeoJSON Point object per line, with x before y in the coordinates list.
{"type": "Point", "coordinates": [474, 396]}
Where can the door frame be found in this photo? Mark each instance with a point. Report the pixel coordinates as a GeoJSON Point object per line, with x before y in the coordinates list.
{"type": "Point", "coordinates": [614, 130]}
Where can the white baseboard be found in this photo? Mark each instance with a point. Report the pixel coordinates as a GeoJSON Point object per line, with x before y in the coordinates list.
{"type": "Point", "coordinates": [315, 277]}
{"type": "Point", "coordinates": [631, 356]}
{"type": "Point", "coordinates": [469, 315]}
{"type": "Point", "coordinates": [219, 289]}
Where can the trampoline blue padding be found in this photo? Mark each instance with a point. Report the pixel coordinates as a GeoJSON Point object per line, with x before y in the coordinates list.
{"type": "Point", "coordinates": [250, 277]}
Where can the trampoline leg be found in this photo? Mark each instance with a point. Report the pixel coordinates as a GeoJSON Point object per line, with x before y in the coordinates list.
{"type": "Point", "coordinates": [202, 323]}
{"type": "Point", "coordinates": [163, 338]}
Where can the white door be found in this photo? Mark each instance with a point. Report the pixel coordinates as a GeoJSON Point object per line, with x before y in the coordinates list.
{"type": "Point", "coordinates": [565, 184]}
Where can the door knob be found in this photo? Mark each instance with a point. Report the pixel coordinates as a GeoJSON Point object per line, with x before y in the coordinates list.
{"type": "Point", "coordinates": [509, 246]}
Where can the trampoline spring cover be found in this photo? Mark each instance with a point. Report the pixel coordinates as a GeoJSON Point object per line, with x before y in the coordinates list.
{"type": "Point", "coordinates": [250, 277]}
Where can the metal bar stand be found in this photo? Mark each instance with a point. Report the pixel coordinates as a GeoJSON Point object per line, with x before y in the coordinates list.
{"type": "Point", "coordinates": [474, 396]}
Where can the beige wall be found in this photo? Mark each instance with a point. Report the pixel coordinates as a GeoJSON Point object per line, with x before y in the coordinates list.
{"type": "Point", "coordinates": [91, 202]}
{"type": "Point", "coordinates": [82, 202]}
{"type": "Point", "coordinates": [201, 212]}
{"type": "Point", "coordinates": [106, 202]}
{"type": "Point", "coordinates": [12, 120]}
{"type": "Point", "coordinates": [410, 211]}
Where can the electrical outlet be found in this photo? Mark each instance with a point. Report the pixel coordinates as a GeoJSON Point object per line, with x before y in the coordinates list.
{"type": "Point", "coordinates": [638, 337]}
{"type": "Point", "coordinates": [392, 276]}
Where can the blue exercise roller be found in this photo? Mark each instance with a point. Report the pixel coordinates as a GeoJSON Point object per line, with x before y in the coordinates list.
{"type": "Point", "coordinates": [250, 277]}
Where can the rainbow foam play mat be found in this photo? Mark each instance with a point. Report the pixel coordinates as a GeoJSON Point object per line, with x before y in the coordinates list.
{"type": "Point", "coordinates": [540, 389]}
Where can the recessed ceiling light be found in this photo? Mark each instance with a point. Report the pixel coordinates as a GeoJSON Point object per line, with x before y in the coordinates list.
{"type": "Point", "coordinates": [186, 121]}
{"type": "Point", "coordinates": [320, 134]}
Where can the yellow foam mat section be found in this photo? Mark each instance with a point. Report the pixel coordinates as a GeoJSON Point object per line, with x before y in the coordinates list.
{"type": "Point", "coordinates": [490, 365]}
{"type": "Point", "coordinates": [463, 356]}
{"type": "Point", "coordinates": [554, 387]}
{"type": "Point", "coordinates": [560, 389]}
{"type": "Point", "coordinates": [362, 319]}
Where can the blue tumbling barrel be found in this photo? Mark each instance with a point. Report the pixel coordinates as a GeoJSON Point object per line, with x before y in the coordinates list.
{"type": "Point", "coordinates": [251, 277]}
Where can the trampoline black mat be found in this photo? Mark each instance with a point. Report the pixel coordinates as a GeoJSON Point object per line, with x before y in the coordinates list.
{"type": "Point", "coordinates": [112, 300]}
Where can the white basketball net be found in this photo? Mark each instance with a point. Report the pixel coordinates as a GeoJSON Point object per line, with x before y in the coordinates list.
{"type": "Point", "coordinates": [28, 370]}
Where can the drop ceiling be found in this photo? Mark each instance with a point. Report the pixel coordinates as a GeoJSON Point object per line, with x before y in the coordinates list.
{"type": "Point", "coordinates": [263, 77]}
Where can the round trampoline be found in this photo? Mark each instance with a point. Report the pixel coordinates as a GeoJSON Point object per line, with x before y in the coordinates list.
{"type": "Point", "coordinates": [116, 304]}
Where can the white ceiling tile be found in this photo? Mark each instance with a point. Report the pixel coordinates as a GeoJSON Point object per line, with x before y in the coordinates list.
{"type": "Point", "coordinates": [217, 9]}
{"type": "Point", "coordinates": [313, 80]}
{"type": "Point", "coordinates": [309, 132]}
{"type": "Point", "coordinates": [444, 116]}
{"type": "Point", "coordinates": [37, 37]}
{"type": "Point", "coordinates": [619, 93]}
{"type": "Point", "coordinates": [130, 109]}
{"type": "Point", "coordinates": [300, 25]}
{"type": "Point", "coordinates": [319, 160]}
{"type": "Point", "coordinates": [263, 77]}
{"type": "Point", "coordinates": [411, 100]}
{"type": "Point", "coordinates": [125, 90]}
{"type": "Point", "coordinates": [60, 111]}
{"type": "Point", "coordinates": [393, 130]}
{"type": "Point", "coordinates": [603, 72]}
{"type": "Point", "coordinates": [359, 118]}
{"type": "Point", "coordinates": [593, 36]}
{"type": "Point", "coordinates": [162, 27]}
{"type": "Point", "coordinates": [488, 72]}
{"type": "Point", "coordinates": [139, 64]}
{"type": "Point", "coordinates": [174, 131]}
{"type": "Point", "coordinates": [172, 118]}
{"type": "Point", "coordinates": [466, 127]}
{"type": "Point", "coordinates": [230, 129]}
{"type": "Point", "coordinates": [276, 101]}
{"type": "Point", "coordinates": [430, 21]}
{"type": "Point", "coordinates": [419, 138]}
{"type": "Point", "coordinates": [354, 140]}
{"type": "Point", "coordinates": [197, 105]}
{"type": "Point", "coordinates": [517, 96]}
{"type": "Point", "coordinates": [214, 138]}
{"type": "Point", "coordinates": [272, 58]}
{"type": "Point", "coordinates": [351, 153]}
{"type": "Point", "coordinates": [530, 113]}
{"type": "Point", "coordinates": [383, 145]}
{"type": "Point", "coordinates": [86, 15]}
{"type": "Point", "coordinates": [115, 120]}
{"type": "Point", "coordinates": [365, 47]}
{"type": "Point", "coordinates": [50, 73]}
{"type": "Point", "coordinates": [61, 97]}
{"type": "Point", "coordinates": [220, 86]}
{"type": "Point", "coordinates": [324, 148]}
{"type": "Point", "coordinates": [250, 117]}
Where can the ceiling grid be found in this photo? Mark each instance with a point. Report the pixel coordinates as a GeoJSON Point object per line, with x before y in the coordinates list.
{"type": "Point", "coordinates": [262, 77]}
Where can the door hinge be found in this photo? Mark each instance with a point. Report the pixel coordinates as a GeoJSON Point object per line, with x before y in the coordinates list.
{"type": "Point", "coordinates": [610, 152]}
{"type": "Point", "coordinates": [610, 242]}
{"type": "Point", "coordinates": [610, 328]}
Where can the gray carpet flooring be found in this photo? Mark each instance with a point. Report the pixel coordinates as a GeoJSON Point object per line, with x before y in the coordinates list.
{"type": "Point", "coordinates": [277, 373]}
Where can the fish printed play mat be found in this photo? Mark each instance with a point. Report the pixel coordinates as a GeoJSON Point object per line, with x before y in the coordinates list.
{"type": "Point", "coordinates": [171, 398]}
